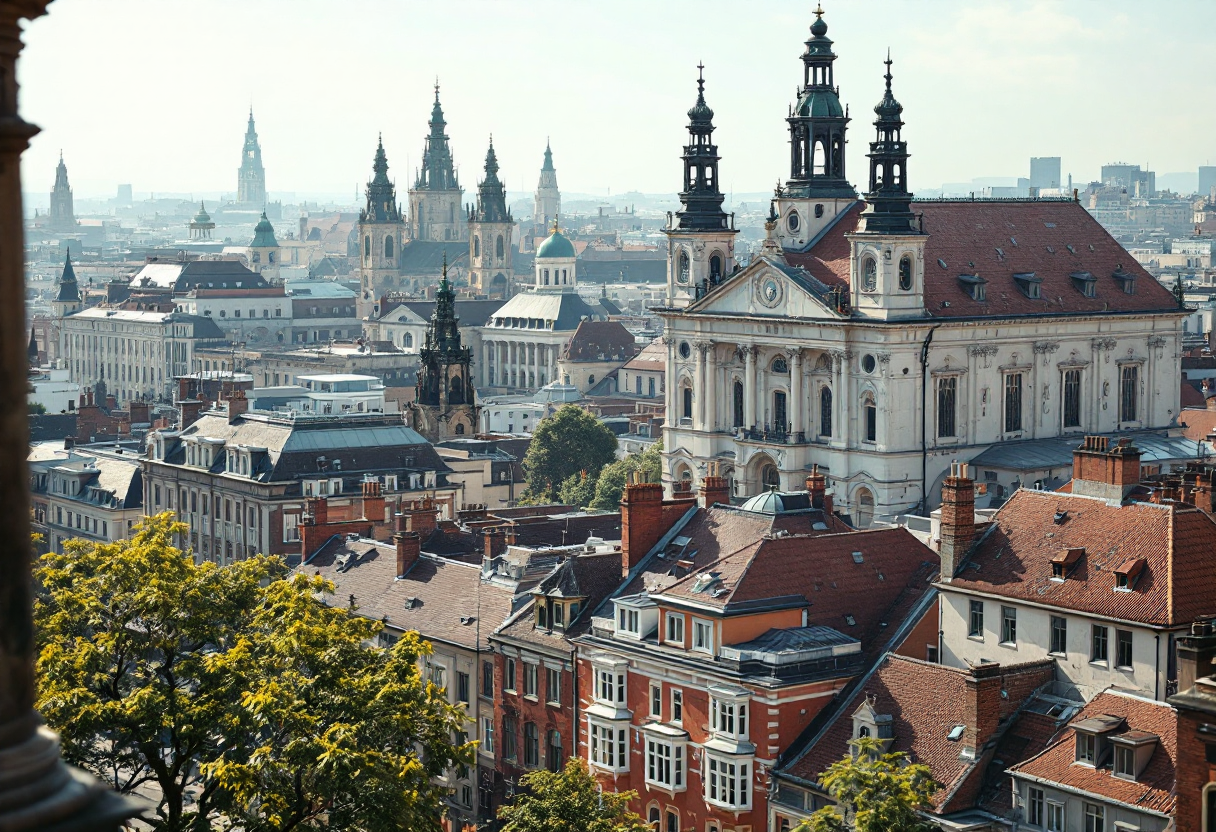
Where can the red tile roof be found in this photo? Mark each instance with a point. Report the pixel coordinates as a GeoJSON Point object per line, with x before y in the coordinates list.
{"type": "Point", "coordinates": [1198, 421]}
{"type": "Point", "coordinates": [1177, 541]}
{"type": "Point", "coordinates": [1153, 789]}
{"type": "Point", "coordinates": [966, 236]}
{"type": "Point", "coordinates": [600, 341]}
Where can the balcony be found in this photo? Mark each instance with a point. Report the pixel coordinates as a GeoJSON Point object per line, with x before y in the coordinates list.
{"type": "Point", "coordinates": [772, 435]}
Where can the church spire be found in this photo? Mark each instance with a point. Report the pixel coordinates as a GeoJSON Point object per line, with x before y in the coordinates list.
{"type": "Point", "coordinates": [438, 172]}
{"type": "Point", "coordinates": [251, 176]}
{"type": "Point", "coordinates": [701, 196]}
{"type": "Point", "coordinates": [491, 193]}
{"type": "Point", "coordinates": [381, 193]}
{"type": "Point", "coordinates": [888, 201]}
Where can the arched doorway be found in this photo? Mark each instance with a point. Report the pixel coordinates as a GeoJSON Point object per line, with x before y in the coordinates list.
{"type": "Point", "coordinates": [764, 473]}
{"type": "Point", "coordinates": [864, 512]}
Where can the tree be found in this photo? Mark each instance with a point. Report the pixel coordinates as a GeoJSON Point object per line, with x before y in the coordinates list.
{"type": "Point", "coordinates": [569, 441]}
{"type": "Point", "coordinates": [234, 693]}
{"type": "Point", "coordinates": [611, 483]}
{"type": "Point", "coordinates": [579, 489]}
{"type": "Point", "coordinates": [569, 801]}
{"type": "Point", "coordinates": [874, 792]}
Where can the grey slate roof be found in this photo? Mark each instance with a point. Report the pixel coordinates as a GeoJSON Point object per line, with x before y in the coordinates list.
{"type": "Point", "coordinates": [1056, 452]}
{"type": "Point", "coordinates": [469, 312]}
{"type": "Point", "coordinates": [426, 257]}
{"type": "Point", "coordinates": [564, 309]}
{"type": "Point", "coordinates": [217, 274]}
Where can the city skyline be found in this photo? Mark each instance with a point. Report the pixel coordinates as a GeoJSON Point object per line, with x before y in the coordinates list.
{"type": "Point", "coordinates": [983, 89]}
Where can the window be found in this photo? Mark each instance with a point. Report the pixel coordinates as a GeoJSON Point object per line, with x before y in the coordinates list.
{"type": "Point", "coordinates": [1123, 649]}
{"type": "Point", "coordinates": [1072, 399]}
{"type": "Point", "coordinates": [728, 717]}
{"type": "Point", "coordinates": [702, 636]}
{"type": "Point", "coordinates": [487, 734]}
{"type": "Point", "coordinates": [1059, 634]}
{"type": "Point", "coordinates": [1125, 762]}
{"type": "Point", "coordinates": [905, 272]}
{"type": "Point", "coordinates": [554, 757]}
{"type": "Point", "coordinates": [976, 626]}
{"type": "Point", "coordinates": [462, 687]}
{"type": "Point", "coordinates": [656, 700]}
{"type": "Point", "coordinates": [686, 398]}
{"type": "Point", "coordinates": [825, 411]}
{"type": "Point", "coordinates": [871, 419]}
{"type": "Point", "coordinates": [1095, 818]}
{"type": "Point", "coordinates": [677, 706]}
{"type": "Point", "coordinates": [1009, 625]}
{"type": "Point", "coordinates": [553, 686]}
{"type": "Point", "coordinates": [664, 764]}
{"type": "Point", "coordinates": [673, 821]}
{"type": "Point", "coordinates": [1129, 389]}
{"type": "Point", "coordinates": [608, 747]}
{"type": "Point", "coordinates": [1087, 748]}
{"type": "Point", "coordinates": [530, 679]}
{"type": "Point", "coordinates": [531, 745]}
{"type": "Point", "coordinates": [727, 783]}
{"type": "Point", "coordinates": [1013, 402]}
{"type": "Point", "coordinates": [675, 628]}
{"type": "Point", "coordinates": [487, 680]}
{"type": "Point", "coordinates": [946, 390]}
{"type": "Point", "coordinates": [1098, 651]}
{"type": "Point", "coordinates": [652, 817]}
{"type": "Point", "coordinates": [1055, 817]}
{"type": "Point", "coordinates": [1034, 807]}
{"type": "Point", "coordinates": [869, 274]}
{"type": "Point", "coordinates": [627, 620]}
{"type": "Point", "coordinates": [508, 737]}
{"type": "Point", "coordinates": [509, 676]}
{"type": "Point", "coordinates": [737, 400]}
{"type": "Point", "coordinates": [439, 676]}
{"type": "Point", "coordinates": [779, 410]}
{"type": "Point", "coordinates": [610, 686]}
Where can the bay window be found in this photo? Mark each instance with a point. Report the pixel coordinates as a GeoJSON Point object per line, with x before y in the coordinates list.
{"type": "Point", "coordinates": [610, 686]}
{"type": "Point", "coordinates": [608, 748]}
{"type": "Point", "coordinates": [665, 764]}
{"type": "Point", "coordinates": [726, 782]}
{"type": "Point", "coordinates": [728, 717]}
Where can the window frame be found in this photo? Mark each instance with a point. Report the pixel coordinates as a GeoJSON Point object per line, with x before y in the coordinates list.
{"type": "Point", "coordinates": [1054, 819]}
{"type": "Point", "coordinates": [1095, 816]}
{"type": "Point", "coordinates": [1059, 635]}
{"type": "Point", "coordinates": [677, 706]}
{"type": "Point", "coordinates": [1009, 626]}
{"type": "Point", "coordinates": [1129, 393]}
{"type": "Point", "coordinates": [1099, 636]}
{"type": "Point", "coordinates": [726, 781]}
{"type": "Point", "coordinates": [607, 746]}
{"type": "Point", "coordinates": [655, 700]}
{"type": "Point", "coordinates": [673, 628]}
{"type": "Point", "coordinates": [531, 678]}
{"type": "Point", "coordinates": [1124, 754]}
{"type": "Point", "coordinates": [665, 768]}
{"type": "Point", "coordinates": [510, 675]}
{"type": "Point", "coordinates": [1086, 749]}
{"type": "Point", "coordinates": [553, 686]}
{"type": "Point", "coordinates": [1012, 404]}
{"type": "Point", "coordinates": [703, 636]}
{"type": "Point", "coordinates": [946, 410]}
{"type": "Point", "coordinates": [1036, 801]}
{"type": "Point", "coordinates": [975, 620]}
{"type": "Point", "coordinates": [1070, 398]}
{"type": "Point", "coordinates": [1125, 639]}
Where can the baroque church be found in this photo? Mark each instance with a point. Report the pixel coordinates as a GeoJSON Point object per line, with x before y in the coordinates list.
{"type": "Point", "coordinates": [879, 337]}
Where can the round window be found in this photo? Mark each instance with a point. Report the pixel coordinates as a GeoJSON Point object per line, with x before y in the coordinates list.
{"type": "Point", "coordinates": [869, 274]}
{"type": "Point", "coordinates": [794, 222]}
{"type": "Point", "coordinates": [867, 363]}
{"type": "Point", "coordinates": [685, 350]}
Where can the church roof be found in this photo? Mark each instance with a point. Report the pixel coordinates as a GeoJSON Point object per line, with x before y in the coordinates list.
{"type": "Point", "coordinates": [599, 341]}
{"type": "Point", "coordinates": [69, 289]}
{"type": "Point", "coordinates": [263, 234]}
{"type": "Point", "coordinates": [1057, 241]}
{"type": "Point", "coordinates": [564, 309]}
{"type": "Point", "coordinates": [556, 246]}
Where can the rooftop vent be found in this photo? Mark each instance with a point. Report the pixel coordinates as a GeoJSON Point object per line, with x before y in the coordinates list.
{"type": "Point", "coordinates": [1060, 518]}
{"type": "Point", "coordinates": [941, 262]}
{"type": "Point", "coordinates": [850, 620]}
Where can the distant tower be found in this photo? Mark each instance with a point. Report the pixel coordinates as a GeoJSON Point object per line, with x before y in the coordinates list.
{"type": "Point", "coordinates": [264, 250]}
{"type": "Point", "coordinates": [556, 262]}
{"type": "Point", "coordinates": [62, 217]}
{"type": "Point", "coordinates": [445, 403]}
{"type": "Point", "coordinates": [490, 227]}
{"type": "Point", "coordinates": [251, 177]}
{"type": "Point", "coordinates": [817, 190]}
{"type": "Point", "coordinates": [887, 256]}
{"type": "Point", "coordinates": [381, 233]}
{"type": "Point", "coordinates": [547, 203]}
{"type": "Point", "coordinates": [436, 196]}
{"type": "Point", "coordinates": [201, 226]}
{"type": "Point", "coordinates": [701, 243]}
{"type": "Point", "coordinates": [67, 299]}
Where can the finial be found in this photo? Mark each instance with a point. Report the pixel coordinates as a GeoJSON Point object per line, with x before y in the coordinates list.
{"type": "Point", "coordinates": [700, 76]}
{"type": "Point", "coordinates": [819, 10]}
{"type": "Point", "coordinates": [445, 264]}
{"type": "Point", "coordinates": [888, 63]}
{"type": "Point", "coordinates": [436, 89]}
{"type": "Point", "coordinates": [554, 229]}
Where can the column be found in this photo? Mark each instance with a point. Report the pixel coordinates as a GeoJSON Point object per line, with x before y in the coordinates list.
{"type": "Point", "coordinates": [700, 390]}
{"type": "Point", "coordinates": [796, 403]}
{"type": "Point", "coordinates": [840, 429]}
{"type": "Point", "coordinates": [749, 387]}
{"type": "Point", "coordinates": [669, 403]}
{"type": "Point", "coordinates": [710, 391]}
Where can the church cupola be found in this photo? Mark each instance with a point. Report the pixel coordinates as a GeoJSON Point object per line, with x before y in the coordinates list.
{"type": "Point", "coordinates": [264, 250]}
{"type": "Point", "coordinates": [888, 201]}
{"type": "Point", "coordinates": [701, 236]}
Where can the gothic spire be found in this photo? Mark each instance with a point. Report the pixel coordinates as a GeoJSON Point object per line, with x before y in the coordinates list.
{"type": "Point", "coordinates": [888, 201]}
{"type": "Point", "coordinates": [491, 193]}
{"type": "Point", "coordinates": [438, 171]}
{"type": "Point", "coordinates": [381, 193]}
{"type": "Point", "coordinates": [69, 289]}
{"type": "Point", "coordinates": [701, 196]}
{"type": "Point", "coordinates": [548, 165]}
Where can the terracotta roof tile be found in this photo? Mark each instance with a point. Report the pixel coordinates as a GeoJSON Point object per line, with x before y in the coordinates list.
{"type": "Point", "coordinates": [596, 575]}
{"type": "Point", "coordinates": [1199, 422]}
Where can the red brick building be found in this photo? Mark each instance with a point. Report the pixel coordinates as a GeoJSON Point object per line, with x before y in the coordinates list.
{"type": "Point", "coordinates": [1195, 702]}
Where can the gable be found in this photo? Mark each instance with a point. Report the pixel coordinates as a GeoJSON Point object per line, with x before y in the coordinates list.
{"type": "Point", "coordinates": [768, 287]}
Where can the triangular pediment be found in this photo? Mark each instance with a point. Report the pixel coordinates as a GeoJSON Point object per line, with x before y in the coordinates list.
{"type": "Point", "coordinates": [769, 287]}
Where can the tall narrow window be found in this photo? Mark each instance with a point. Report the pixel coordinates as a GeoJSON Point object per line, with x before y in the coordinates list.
{"type": "Point", "coordinates": [388, 246]}
{"type": "Point", "coordinates": [498, 247]}
{"type": "Point", "coordinates": [715, 268]}
{"type": "Point", "coordinates": [1013, 402]}
{"type": "Point", "coordinates": [870, 418]}
{"type": "Point", "coordinates": [1059, 634]}
{"type": "Point", "coordinates": [1098, 650]}
{"type": "Point", "coordinates": [976, 626]}
{"type": "Point", "coordinates": [779, 410]}
{"type": "Point", "coordinates": [946, 389]}
{"type": "Point", "coordinates": [1129, 389]}
{"type": "Point", "coordinates": [905, 272]}
{"type": "Point", "coordinates": [1072, 399]}
{"type": "Point", "coordinates": [682, 273]}
{"type": "Point", "coordinates": [686, 397]}
{"type": "Point", "coordinates": [1009, 625]}
{"type": "Point", "coordinates": [367, 246]}
{"type": "Point", "coordinates": [869, 274]}
{"type": "Point", "coordinates": [476, 246]}
{"type": "Point", "coordinates": [825, 411]}
{"type": "Point", "coordinates": [738, 402]}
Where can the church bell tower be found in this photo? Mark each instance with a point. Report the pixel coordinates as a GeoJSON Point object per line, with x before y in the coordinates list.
{"type": "Point", "coordinates": [701, 238]}
{"type": "Point", "coordinates": [490, 229]}
{"type": "Point", "coordinates": [445, 403]}
{"type": "Point", "coordinates": [381, 233]}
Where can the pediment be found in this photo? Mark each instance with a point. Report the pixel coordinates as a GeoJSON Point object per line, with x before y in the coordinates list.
{"type": "Point", "coordinates": [768, 287]}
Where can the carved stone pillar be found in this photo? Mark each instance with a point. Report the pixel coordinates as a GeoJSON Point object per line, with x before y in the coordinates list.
{"type": "Point", "coordinates": [796, 403]}
{"type": "Point", "coordinates": [709, 389]}
{"type": "Point", "coordinates": [701, 385]}
{"type": "Point", "coordinates": [749, 387]}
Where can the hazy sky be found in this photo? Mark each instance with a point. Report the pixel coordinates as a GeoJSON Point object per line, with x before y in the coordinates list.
{"type": "Point", "coordinates": [155, 93]}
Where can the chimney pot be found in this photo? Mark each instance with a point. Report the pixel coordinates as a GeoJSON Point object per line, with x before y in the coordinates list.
{"type": "Point", "coordinates": [958, 519]}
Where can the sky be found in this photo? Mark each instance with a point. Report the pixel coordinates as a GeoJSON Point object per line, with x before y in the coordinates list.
{"type": "Point", "coordinates": [156, 93]}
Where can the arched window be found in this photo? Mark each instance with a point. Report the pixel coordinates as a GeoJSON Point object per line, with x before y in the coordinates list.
{"type": "Point", "coordinates": [540, 615]}
{"type": "Point", "coordinates": [780, 365]}
{"type": "Point", "coordinates": [737, 399]}
{"type": "Point", "coordinates": [476, 246]}
{"type": "Point", "coordinates": [793, 222]}
{"type": "Point", "coordinates": [590, 380]}
{"type": "Point", "coordinates": [460, 428]}
{"type": "Point", "coordinates": [686, 396]}
{"type": "Point", "coordinates": [869, 414]}
{"type": "Point", "coordinates": [825, 411]}
{"type": "Point", "coordinates": [407, 340]}
{"type": "Point", "coordinates": [673, 821]}
{"type": "Point", "coordinates": [388, 246]}
{"type": "Point", "coordinates": [367, 246]}
{"type": "Point", "coordinates": [545, 273]}
{"type": "Point", "coordinates": [270, 257]}
{"type": "Point", "coordinates": [905, 272]}
{"type": "Point", "coordinates": [865, 508]}
{"type": "Point", "coordinates": [770, 477]}
{"type": "Point", "coordinates": [498, 248]}
{"type": "Point", "coordinates": [869, 274]}
{"type": "Point", "coordinates": [652, 817]}
{"type": "Point", "coordinates": [863, 731]}
{"type": "Point", "coordinates": [715, 267]}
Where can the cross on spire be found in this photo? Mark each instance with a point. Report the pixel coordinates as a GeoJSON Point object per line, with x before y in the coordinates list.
{"type": "Point", "coordinates": [888, 62]}
{"type": "Point", "coordinates": [700, 77]}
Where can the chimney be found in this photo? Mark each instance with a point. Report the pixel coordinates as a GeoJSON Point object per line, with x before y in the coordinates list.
{"type": "Point", "coordinates": [714, 489]}
{"type": "Point", "coordinates": [409, 549]}
{"type": "Point", "coordinates": [421, 516]}
{"type": "Point", "coordinates": [238, 405]}
{"type": "Point", "coordinates": [111, 402]}
{"type": "Point", "coordinates": [641, 520]}
{"type": "Point", "coordinates": [1098, 470]}
{"type": "Point", "coordinates": [816, 487]}
{"type": "Point", "coordinates": [492, 546]}
{"type": "Point", "coordinates": [140, 412]}
{"type": "Point", "coordinates": [373, 500]}
{"type": "Point", "coordinates": [982, 706]}
{"type": "Point", "coordinates": [958, 519]}
{"type": "Point", "coordinates": [190, 410]}
{"type": "Point", "coordinates": [316, 511]}
{"type": "Point", "coordinates": [1196, 653]}
{"type": "Point", "coordinates": [84, 401]}
{"type": "Point", "coordinates": [69, 442]}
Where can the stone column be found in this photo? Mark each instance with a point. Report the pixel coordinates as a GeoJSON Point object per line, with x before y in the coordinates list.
{"type": "Point", "coordinates": [796, 403]}
{"type": "Point", "coordinates": [710, 390]}
{"type": "Point", "coordinates": [672, 418]}
{"type": "Point", "coordinates": [749, 387]}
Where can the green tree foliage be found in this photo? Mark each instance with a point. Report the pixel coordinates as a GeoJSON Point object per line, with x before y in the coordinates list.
{"type": "Point", "coordinates": [579, 489]}
{"type": "Point", "coordinates": [569, 801]}
{"type": "Point", "coordinates": [234, 694]}
{"type": "Point", "coordinates": [569, 441]}
{"type": "Point", "coordinates": [611, 483]}
{"type": "Point", "coordinates": [874, 792]}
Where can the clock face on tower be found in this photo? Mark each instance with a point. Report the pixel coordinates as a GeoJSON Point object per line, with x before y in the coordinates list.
{"type": "Point", "coordinates": [769, 290]}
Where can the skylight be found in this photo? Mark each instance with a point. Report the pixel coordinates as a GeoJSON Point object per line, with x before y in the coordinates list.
{"type": "Point", "coordinates": [956, 733]}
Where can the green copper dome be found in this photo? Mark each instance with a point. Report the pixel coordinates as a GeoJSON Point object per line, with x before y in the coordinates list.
{"type": "Point", "coordinates": [556, 246]}
{"type": "Point", "coordinates": [263, 234]}
{"type": "Point", "coordinates": [202, 215]}
{"type": "Point", "coordinates": [819, 103]}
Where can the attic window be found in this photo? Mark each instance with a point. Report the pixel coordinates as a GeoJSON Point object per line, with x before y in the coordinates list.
{"type": "Point", "coordinates": [1064, 563]}
{"type": "Point", "coordinates": [1060, 518]}
{"type": "Point", "coordinates": [1127, 280]}
{"type": "Point", "coordinates": [1071, 250]}
{"type": "Point", "coordinates": [858, 558]}
{"type": "Point", "coordinates": [956, 733]}
{"type": "Point", "coordinates": [941, 262]}
{"type": "Point", "coordinates": [1029, 283]}
{"type": "Point", "coordinates": [973, 285]}
{"type": "Point", "coordinates": [1127, 573]}
{"type": "Point", "coordinates": [1085, 282]}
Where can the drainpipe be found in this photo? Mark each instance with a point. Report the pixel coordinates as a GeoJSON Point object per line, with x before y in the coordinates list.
{"type": "Point", "coordinates": [924, 421]}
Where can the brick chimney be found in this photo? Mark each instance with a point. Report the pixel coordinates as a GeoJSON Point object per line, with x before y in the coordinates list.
{"type": "Point", "coordinates": [714, 489]}
{"type": "Point", "coordinates": [190, 408]}
{"type": "Point", "coordinates": [1196, 653]}
{"type": "Point", "coordinates": [958, 519]}
{"type": "Point", "coordinates": [982, 706]}
{"type": "Point", "coordinates": [238, 405]}
{"type": "Point", "coordinates": [373, 500]}
{"type": "Point", "coordinates": [140, 412]}
{"type": "Point", "coordinates": [316, 511]}
{"type": "Point", "coordinates": [409, 549]}
{"type": "Point", "coordinates": [1098, 470]}
{"type": "Point", "coordinates": [817, 488]}
{"type": "Point", "coordinates": [641, 520]}
{"type": "Point", "coordinates": [493, 544]}
{"type": "Point", "coordinates": [421, 516]}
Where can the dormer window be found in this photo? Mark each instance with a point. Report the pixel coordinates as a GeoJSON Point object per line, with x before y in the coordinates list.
{"type": "Point", "coordinates": [1094, 738]}
{"type": "Point", "coordinates": [1133, 750]}
{"type": "Point", "coordinates": [1087, 748]}
{"type": "Point", "coordinates": [557, 615]}
{"type": "Point", "coordinates": [1029, 284]}
{"type": "Point", "coordinates": [1085, 283]}
{"type": "Point", "coordinates": [627, 621]}
{"type": "Point", "coordinates": [973, 285]}
{"type": "Point", "coordinates": [1064, 563]}
{"type": "Point", "coordinates": [1126, 280]}
{"type": "Point", "coordinates": [1127, 573]}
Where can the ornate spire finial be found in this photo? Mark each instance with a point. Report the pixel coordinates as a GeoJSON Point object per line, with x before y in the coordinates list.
{"type": "Point", "coordinates": [436, 89]}
{"type": "Point", "coordinates": [445, 265]}
{"type": "Point", "coordinates": [554, 228]}
{"type": "Point", "coordinates": [888, 62]}
{"type": "Point", "coordinates": [700, 77]}
{"type": "Point", "coordinates": [818, 10]}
